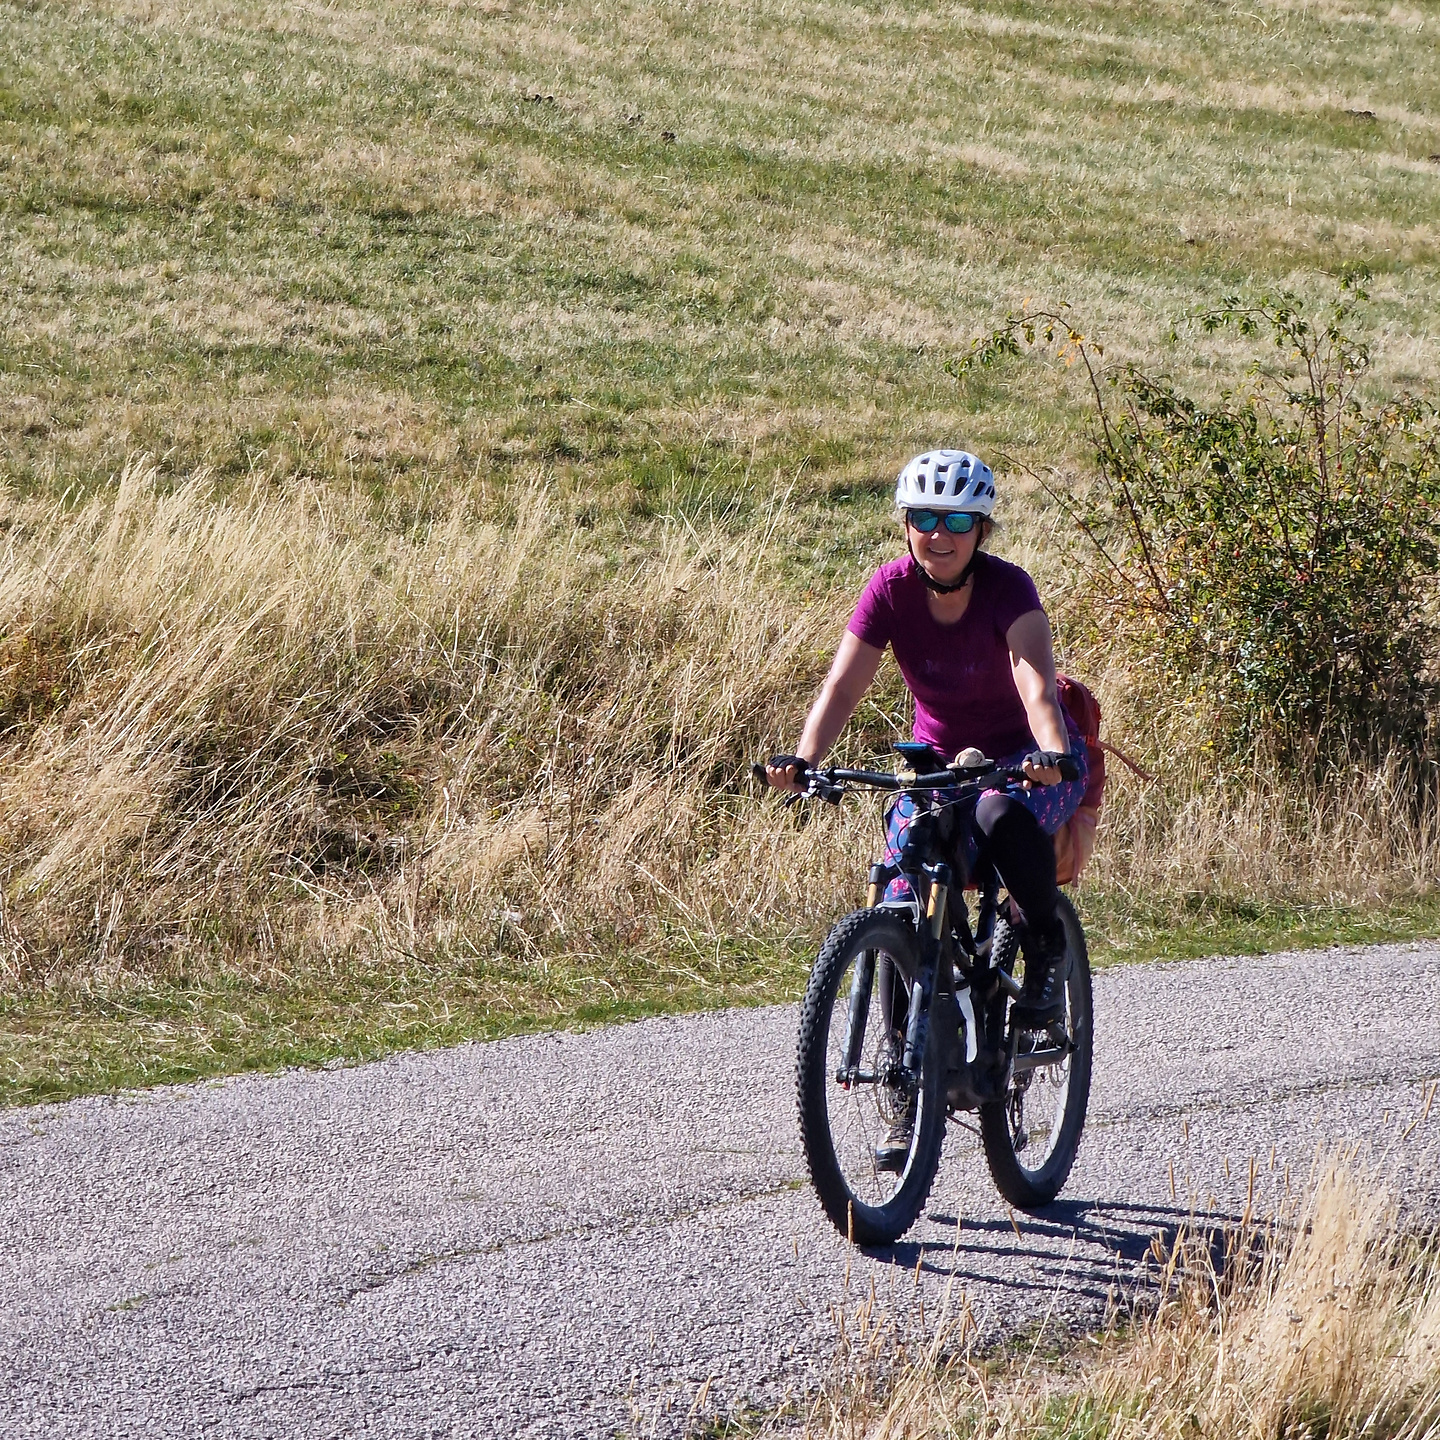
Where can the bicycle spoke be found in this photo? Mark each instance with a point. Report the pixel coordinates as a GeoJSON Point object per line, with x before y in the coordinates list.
{"type": "Point", "coordinates": [862, 1114]}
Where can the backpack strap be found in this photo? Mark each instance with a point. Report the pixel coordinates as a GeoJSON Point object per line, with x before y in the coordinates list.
{"type": "Point", "coordinates": [1119, 754]}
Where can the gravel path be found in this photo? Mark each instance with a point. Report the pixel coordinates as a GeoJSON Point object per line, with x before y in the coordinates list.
{"type": "Point", "coordinates": [570, 1235]}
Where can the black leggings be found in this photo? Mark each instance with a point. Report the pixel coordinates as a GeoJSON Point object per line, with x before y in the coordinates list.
{"type": "Point", "coordinates": [1012, 840]}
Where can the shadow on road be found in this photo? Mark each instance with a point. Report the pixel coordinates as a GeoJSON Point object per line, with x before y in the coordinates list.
{"type": "Point", "coordinates": [1086, 1247]}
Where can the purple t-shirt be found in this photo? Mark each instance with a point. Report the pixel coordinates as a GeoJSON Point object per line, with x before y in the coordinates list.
{"type": "Point", "coordinates": [959, 674]}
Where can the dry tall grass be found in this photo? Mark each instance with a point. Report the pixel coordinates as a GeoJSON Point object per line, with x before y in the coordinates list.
{"type": "Point", "coordinates": [1251, 828]}
{"type": "Point", "coordinates": [251, 726]}
{"type": "Point", "coordinates": [1325, 1323]}
{"type": "Point", "coordinates": [256, 731]}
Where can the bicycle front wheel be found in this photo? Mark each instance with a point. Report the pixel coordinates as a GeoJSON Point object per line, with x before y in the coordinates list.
{"type": "Point", "coordinates": [1031, 1137]}
{"type": "Point", "coordinates": [854, 1096]}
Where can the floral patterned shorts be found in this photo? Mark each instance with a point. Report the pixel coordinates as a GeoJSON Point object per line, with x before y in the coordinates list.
{"type": "Point", "coordinates": [1051, 805]}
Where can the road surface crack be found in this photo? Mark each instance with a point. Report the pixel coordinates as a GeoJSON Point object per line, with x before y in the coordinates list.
{"type": "Point", "coordinates": [378, 1279]}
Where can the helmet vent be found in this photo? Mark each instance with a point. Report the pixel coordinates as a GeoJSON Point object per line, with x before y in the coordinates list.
{"type": "Point", "coordinates": [946, 479]}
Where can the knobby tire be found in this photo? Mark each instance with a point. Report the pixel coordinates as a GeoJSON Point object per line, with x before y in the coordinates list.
{"type": "Point", "coordinates": [867, 1224]}
{"type": "Point", "coordinates": [1025, 1188]}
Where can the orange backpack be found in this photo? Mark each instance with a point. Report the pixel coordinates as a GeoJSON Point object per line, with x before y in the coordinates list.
{"type": "Point", "coordinates": [1075, 839]}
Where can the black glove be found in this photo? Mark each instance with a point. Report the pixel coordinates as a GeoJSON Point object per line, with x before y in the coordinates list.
{"type": "Point", "coordinates": [1067, 765]}
{"type": "Point", "coordinates": [781, 762]}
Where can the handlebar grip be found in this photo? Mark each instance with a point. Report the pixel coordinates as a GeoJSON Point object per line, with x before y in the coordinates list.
{"type": "Point", "coordinates": [757, 772]}
{"type": "Point", "coordinates": [936, 781]}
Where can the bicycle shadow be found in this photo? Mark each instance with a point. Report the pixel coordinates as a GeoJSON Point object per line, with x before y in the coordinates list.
{"type": "Point", "coordinates": [1087, 1246]}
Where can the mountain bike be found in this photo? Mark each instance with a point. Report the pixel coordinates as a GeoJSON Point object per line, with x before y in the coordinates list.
{"type": "Point", "coordinates": [908, 1010]}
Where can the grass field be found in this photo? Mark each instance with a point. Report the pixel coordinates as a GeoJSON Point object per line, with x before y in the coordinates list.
{"type": "Point", "coordinates": [522, 386]}
{"type": "Point", "coordinates": [453, 243]}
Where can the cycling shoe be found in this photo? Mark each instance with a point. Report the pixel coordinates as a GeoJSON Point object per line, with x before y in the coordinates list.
{"type": "Point", "coordinates": [1042, 994]}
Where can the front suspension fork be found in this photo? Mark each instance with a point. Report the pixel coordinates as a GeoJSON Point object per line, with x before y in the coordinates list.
{"type": "Point", "coordinates": [861, 984]}
{"type": "Point", "coordinates": [917, 1026]}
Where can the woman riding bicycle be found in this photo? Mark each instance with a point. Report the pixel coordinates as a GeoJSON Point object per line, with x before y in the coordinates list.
{"type": "Point", "coordinates": [973, 644]}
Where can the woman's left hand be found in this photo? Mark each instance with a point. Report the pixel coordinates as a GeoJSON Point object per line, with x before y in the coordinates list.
{"type": "Point", "coordinates": [1032, 660]}
{"type": "Point", "coordinates": [1047, 767]}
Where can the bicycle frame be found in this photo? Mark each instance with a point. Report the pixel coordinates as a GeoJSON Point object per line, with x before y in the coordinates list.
{"type": "Point", "coordinates": [955, 968]}
{"type": "Point", "coordinates": [958, 971]}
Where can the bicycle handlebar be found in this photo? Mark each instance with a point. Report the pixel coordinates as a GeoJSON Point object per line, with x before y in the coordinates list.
{"type": "Point", "coordinates": [832, 784]}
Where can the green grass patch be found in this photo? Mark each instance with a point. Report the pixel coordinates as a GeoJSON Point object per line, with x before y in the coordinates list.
{"type": "Point", "coordinates": [59, 1045]}
{"type": "Point", "coordinates": [1126, 928]}
{"type": "Point", "coordinates": [383, 239]}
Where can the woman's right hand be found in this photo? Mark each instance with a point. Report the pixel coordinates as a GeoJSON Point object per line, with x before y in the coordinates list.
{"type": "Point", "coordinates": [787, 772]}
{"type": "Point", "coordinates": [850, 675]}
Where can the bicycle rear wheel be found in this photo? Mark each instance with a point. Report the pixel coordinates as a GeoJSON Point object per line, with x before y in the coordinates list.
{"type": "Point", "coordinates": [849, 1101]}
{"type": "Point", "coordinates": [1032, 1136]}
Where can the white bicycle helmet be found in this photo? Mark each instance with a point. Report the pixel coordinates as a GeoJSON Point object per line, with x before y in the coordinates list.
{"type": "Point", "coordinates": [946, 480]}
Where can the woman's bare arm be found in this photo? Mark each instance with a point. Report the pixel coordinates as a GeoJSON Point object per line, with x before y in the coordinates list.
{"type": "Point", "coordinates": [850, 675]}
{"type": "Point", "coordinates": [1032, 661]}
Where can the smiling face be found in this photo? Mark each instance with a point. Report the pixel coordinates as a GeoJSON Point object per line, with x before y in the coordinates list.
{"type": "Point", "coordinates": [943, 555]}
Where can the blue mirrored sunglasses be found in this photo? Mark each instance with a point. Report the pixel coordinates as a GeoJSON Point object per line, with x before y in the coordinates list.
{"type": "Point", "coordinates": [957, 522]}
